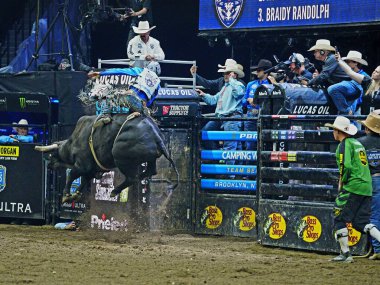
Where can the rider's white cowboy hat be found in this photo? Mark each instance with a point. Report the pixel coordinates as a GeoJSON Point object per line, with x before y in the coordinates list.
{"type": "Point", "coordinates": [322, 45]}
{"type": "Point", "coordinates": [22, 122]}
{"type": "Point", "coordinates": [230, 61]}
{"type": "Point", "coordinates": [344, 125]}
{"type": "Point", "coordinates": [232, 67]}
{"type": "Point", "coordinates": [355, 56]}
{"type": "Point", "coordinates": [143, 27]}
{"type": "Point", "coordinates": [372, 121]}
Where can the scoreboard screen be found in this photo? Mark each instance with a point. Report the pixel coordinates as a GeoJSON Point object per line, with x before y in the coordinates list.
{"type": "Point", "coordinates": [263, 14]}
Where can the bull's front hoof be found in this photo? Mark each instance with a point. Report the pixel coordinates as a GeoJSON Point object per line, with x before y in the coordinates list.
{"type": "Point", "coordinates": [67, 198]}
{"type": "Point", "coordinates": [76, 196]}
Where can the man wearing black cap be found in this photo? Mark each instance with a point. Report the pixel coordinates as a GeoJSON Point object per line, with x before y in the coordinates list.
{"type": "Point", "coordinates": [248, 101]}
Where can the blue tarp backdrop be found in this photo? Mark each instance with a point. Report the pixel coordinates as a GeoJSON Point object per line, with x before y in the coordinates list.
{"type": "Point", "coordinates": [258, 14]}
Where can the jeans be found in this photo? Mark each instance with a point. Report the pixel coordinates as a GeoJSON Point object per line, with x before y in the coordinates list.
{"type": "Point", "coordinates": [375, 210]}
{"type": "Point", "coordinates": [250, 126]}
{"type": "Point", "coordinates": [227, 126]}
{"type": "Point", "coordinates": [344, 94]}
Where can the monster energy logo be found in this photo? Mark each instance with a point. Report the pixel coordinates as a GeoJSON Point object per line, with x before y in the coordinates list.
{"type": "Point", "coordinates": [22, 102]}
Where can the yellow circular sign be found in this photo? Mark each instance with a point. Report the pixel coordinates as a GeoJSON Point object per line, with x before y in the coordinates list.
{"type": "Point", "coordinates": [245, 219]}
{"type": "Point", "coordinates": [353, 235]}
{"type": "Point", "coordinates": [275, 226]}
{"type": "Point", "coordinates": [212, 217]}
{"type": "Point", "coordinates": [310, 229]}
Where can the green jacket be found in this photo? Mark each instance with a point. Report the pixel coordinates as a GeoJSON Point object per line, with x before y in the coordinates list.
{"type": "Point", "coordinates": [353, 167]}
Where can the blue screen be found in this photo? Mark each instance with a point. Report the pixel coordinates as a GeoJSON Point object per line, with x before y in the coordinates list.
{"type": "Point", "coordinates": [261, 14]}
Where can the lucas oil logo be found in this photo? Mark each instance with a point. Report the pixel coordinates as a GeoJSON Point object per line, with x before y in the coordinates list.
{"type": "Point", "coordinates": [3, 177]}
{"type": "Point", "coordinates": [275, 226]}
{"type": "Point", "coordinates": [309, 229]}
{"type": "Point", "coordinates": [228, 11]}
{"type": "Point", "coordinates": [212, 217]}
{"type": "Point", "coordinates": [245, 219]}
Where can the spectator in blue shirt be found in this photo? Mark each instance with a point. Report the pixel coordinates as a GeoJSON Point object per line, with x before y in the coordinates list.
{"type": "Point", "coordinates": [228, 103]}
{"type": "Point", "coordinates": [347, 95]}
{"type": "Point", "coordinates": [248, 100]}
{"type": "Point", "coordinates": [22, 130]}
{"type": "Point", "coordinates": [296, 64]}
{"type": "Point", "coordinates": [215, 85]}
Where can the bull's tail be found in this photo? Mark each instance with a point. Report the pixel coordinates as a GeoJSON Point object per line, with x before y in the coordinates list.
{"type": "Point", "coordinates": [163, 149]}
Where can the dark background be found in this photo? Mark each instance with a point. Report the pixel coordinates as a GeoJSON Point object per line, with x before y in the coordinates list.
{"type": "Point", "coordinates": [177, 30]}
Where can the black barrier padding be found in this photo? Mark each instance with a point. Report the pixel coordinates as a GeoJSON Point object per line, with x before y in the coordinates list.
{"type": "Point", "coordinates": [310, 157]}
{"type": "Point", "coordinates": [302, 173]}
{"type": "Point", "coordinates": [299, 190]}
{"type": "Point", "coordinates": [225, 214]}
{"type": "Point", "coordinates": [180, 208]}
{"type": "Point", "coordinates": [24, 192]}
{"type": "Point", "coordinates": [293, 236]}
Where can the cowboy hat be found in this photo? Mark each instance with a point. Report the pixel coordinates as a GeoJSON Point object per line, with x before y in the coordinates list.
{"type": "Point", "coordinates": [142, 28]}
{"type": "Point", "coordinates": [343, 124]}
{"type": "Point", "coordinates": [22, 122]}
{"type": "Point", "coordinates": [232, 61]}
{"type": "Point", "coordinates": [372, 122]}
{"type": "Point", "coordinates": [322, 45]}
{"type": "Point", "coordinates": [263, 64]}
{"type": "Point", "coordinates": [355, 56]}
{"type": "Point", "coordinates": [232, 67]}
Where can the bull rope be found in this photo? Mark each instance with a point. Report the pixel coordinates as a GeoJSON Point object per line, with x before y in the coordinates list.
{"type": "Point", "coordinates": [90, 140]}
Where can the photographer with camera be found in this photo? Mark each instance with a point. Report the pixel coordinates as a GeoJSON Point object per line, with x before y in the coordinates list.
{"type": "Point", "coordinates": [138, 10]}
{"type": "Point", "coordinates": [331, 72]}
{"type": "Point", "coordinates": [296, 63]}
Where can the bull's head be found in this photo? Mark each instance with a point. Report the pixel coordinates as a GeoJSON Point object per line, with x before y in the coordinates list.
{"type": "Point", "coordinates": [51, 154]}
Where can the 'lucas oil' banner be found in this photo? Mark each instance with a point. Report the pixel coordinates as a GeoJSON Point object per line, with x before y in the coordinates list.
{"type": "Point", "coordinates": [260, 14]}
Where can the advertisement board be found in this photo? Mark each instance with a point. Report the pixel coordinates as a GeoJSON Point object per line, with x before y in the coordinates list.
{"type": "Point", "coordinates": [22, 187]}
{"type": "Point", "coordinates": [263, 14]}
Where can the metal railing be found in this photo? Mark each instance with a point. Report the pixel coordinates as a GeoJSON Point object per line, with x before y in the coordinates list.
{"type": "Point", "coordinates": [129, 62]}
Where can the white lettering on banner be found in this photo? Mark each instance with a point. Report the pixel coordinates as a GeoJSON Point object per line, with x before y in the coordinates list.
{"type": "Point", "coordinates": [15, 207]}
{"type": "Point", "coordinates": [108, 224]}
{"type": "Point", "coordinates": [311, 110]}
{"type": "Point", "coordinates": [234, 184]}
{"type": "Point", "coordinates": [115, 79]}
{"type": "Point", "coordinates": [175, 92]}
{"type": "Point", "coordinates": [288, 13]}
{"type": "Point", "coordinates": [179, 110]}
{"type": "Point", "coordinates": [246, 155]}
{"type": "Point", "coordinates": [248, 136]}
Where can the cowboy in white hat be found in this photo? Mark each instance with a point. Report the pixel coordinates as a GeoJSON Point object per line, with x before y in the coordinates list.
{"type": "Point", "coordinates": [22, 129]}
{"type": "Point", "coordinates": [371, 142]}
{"type": "Point", "coordinates": [215, 85]}
{"type": "Point", "coordinates": [331, 73]}
{"type": "Point", "coordinates": [228, 103]}
{"type": "Point", "coordinates": [143, 48]}
{"type": "Point", "coordinates": [347, 95]}
{"type": "Point", "coordinates": [353, 203]}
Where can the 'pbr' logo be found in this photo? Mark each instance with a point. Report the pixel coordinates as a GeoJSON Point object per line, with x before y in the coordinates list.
{"type": "Point", "coordinates": [3, 177]}
{"type": "Point", "coordinates": [228, 11]}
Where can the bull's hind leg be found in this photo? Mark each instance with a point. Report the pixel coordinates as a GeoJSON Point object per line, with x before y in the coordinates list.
{"type": "Point", "coordinates": [130, 173]}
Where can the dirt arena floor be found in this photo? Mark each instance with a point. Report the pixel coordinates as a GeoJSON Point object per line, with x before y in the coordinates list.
{"type": "Point", "coordinates": [43, 255]}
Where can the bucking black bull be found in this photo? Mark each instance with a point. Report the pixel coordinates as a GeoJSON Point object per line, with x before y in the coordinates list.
{"type": "Point", "coordinates": [124, 143]}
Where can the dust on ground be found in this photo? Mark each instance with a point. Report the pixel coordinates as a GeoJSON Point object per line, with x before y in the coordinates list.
{"type": "Point", "coordinates": [43, 255]}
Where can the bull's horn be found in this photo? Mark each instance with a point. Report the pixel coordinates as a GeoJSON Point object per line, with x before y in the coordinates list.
{"type": "Point", "coordinates": [45, 148]}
